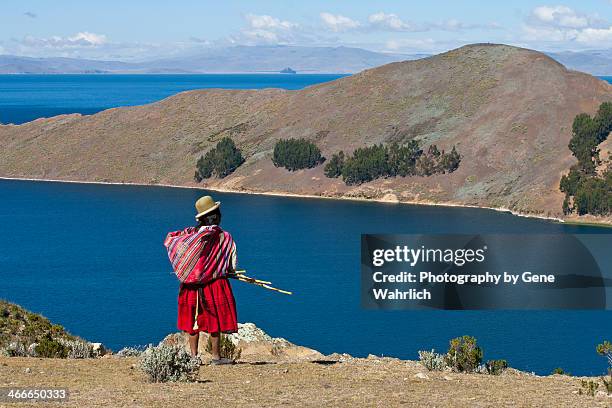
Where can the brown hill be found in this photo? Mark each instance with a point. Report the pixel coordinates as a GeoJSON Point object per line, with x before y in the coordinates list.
{"type": "Point", "coordinates": [508, 110]}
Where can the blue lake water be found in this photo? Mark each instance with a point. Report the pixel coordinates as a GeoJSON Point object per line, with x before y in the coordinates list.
{"type": "Point", "coordinates": [91, 258]}
{"type": "Point", "coordinates": [27, 97]}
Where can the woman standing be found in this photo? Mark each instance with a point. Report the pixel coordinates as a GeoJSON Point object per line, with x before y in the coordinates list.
{"type": "Point", "coordinates": [205, 301]}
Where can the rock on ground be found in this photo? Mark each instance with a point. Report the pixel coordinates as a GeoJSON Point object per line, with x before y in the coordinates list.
{"type": "Point", "coordinates": [256, 346]}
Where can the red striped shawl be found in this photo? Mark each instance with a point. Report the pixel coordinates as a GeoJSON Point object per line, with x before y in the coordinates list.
{"type": "Point", "coordinates": [200, 255]}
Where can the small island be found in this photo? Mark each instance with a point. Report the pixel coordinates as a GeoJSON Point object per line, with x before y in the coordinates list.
{"type": "Point", "coordinates": [288, 71]}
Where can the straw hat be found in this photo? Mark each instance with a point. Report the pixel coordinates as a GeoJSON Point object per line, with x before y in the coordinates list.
{"type": "Point", "coordinates": [206, 204]}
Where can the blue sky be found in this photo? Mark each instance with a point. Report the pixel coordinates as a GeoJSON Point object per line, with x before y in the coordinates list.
{"type": "Point", "coordinates": [146, 29]}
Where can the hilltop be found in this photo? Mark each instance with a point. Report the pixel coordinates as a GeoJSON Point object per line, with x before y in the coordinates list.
{"type": "Point", "coordinates": [271, 372]}
{"type": "Point", "coordinates": [508, 110]}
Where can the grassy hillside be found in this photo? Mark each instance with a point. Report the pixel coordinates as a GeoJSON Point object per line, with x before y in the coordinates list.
{"type": "Point", "coordinates": [272, 372]}
{"type": "Point", "coordinates": [508, 110]}
{"type": "Point", "coordinates": [23, 333]}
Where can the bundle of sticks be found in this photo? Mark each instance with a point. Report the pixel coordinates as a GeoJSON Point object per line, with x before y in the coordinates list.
{"type": "Point", "coordinates": [240, 275]}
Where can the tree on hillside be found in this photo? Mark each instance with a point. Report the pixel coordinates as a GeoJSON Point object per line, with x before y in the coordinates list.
{"type": "Point", "coordinates": [593, 196]}
{"type": "Point", "coordinates": [570, 182]}
{"type": "Point", "coordinates": [369, 163]}
{"type": "Point", "coordinates": [587, 189]}
{"type": "Point", "coordinates": [296, 154]}
{"type": "Point", "coordinates": [366, 164]}
{"type": "Point", "coordinates": [449, 162]}
{"type": "Point", "coordinates": [604, 121]}
{"type": "Point", "coordinates": [583, 143]}
{"type": "Point", "coordinates": [425, 165]}
{"type": "Point", "coordinates": [402, 158]}
{"type": "Point", "coordinates": [333, 168]}
{"type": "Point", "coordinates": [220, 161]}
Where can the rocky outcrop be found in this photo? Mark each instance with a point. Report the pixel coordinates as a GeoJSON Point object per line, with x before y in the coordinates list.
{"type": "Point", "coordinates": [256, 346]}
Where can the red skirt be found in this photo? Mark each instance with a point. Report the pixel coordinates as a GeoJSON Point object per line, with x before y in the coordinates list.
{"type": "Point", "coordinates": [213, 304]}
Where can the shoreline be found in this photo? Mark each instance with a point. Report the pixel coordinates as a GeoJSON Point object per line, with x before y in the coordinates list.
{"type": "Point", "coordinates": [184, 73]}
{"type": "Point", "coordinates": [312, 196]}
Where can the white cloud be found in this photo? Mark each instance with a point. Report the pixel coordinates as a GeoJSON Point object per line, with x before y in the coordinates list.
{"type": "Point", "coordinates": [563, 26]}
{"type": "Point", "coordinates": [268, 22]}
{"type": "Point", "coordinates": [88, 38]}
{"type": "Point", "coordinates": [595, 36]}
{"type": "Point", "coordinates": [338, 23]}
{"type": "Point", "coordinates": [258, 29]}
{"type": "Point", "coordinates": [392, 22]}
{"type": "Point", "coordinates": [79, 40]}
{"type": "Point", "coordinates": [386, 21]}
{"type": "Point", "coordinates": [266, 29]}
{"type": "Point", "coordinates": [562, 16]}
{"type": "Point", "coordinates": [91, 45]}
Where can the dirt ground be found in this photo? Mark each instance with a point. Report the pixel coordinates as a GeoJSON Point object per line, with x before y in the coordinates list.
{"type": "Point", "coordinates": [117, 382]}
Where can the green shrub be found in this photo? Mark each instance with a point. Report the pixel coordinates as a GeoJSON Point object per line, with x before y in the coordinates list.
{"type": "Point", "coordinates": [23, 333]}
{"type": "Point", "coordinates": [464, 355]}
{"type": "Point", "coordinates": [50, 348]}
{"type": "Point", "coordinates": [605, 349]}
{"type": "Point", "coordinates": [333, 168]}
{"type": "Point", "coordinates": [432, 361]}
{"type": "Point", "coordinates": [366, 164]}
{"type": "Point", "coordinates": [426, 165]}
{"type": "Point", "coordinates": [226, 347]}
{"type": "Point", "coordinates": [220, 161]}
{"type": "Point", "coordinates": [586, 191]}
{"type": "Point", "coordinates": [402, 159]}
{"type": "Point", "coordinates": [570, 182]}
{"type": "Point", "coordinates": [588, 387]}
{"type": "Point", "coordinates": [583, 143]}
{"type": "Point", "coordinates": [373, 162]}
{"type": "Point", "coordinates": [560, 371]}
{"type": "Point", "coordinates": [168, 363]}
{"type": "Point", "coordinates": [496, 367]}
{"type": "Point", "coordinates": [296, 154]}
{"type": "Point", "coordinates": [449, 162]}
{"type": "Point", "coordinates": [593, 196]}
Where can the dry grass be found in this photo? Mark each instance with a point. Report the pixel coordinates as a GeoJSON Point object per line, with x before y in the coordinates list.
{"type": "Point", "coordinates": [359, 382]}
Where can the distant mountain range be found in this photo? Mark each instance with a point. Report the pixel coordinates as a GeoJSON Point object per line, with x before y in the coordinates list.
{"type": "Point", "coordinates": [10, 64]}
{"type": "Point", "coordinates": [258, 59]}
{"type": "Point", "coordinates": [243, 59]}
{"type": "Point", "coordinates": [595, 62]}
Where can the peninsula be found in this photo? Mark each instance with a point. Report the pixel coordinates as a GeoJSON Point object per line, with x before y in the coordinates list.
{"type": "Point", "coordinates": [508, 110]}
